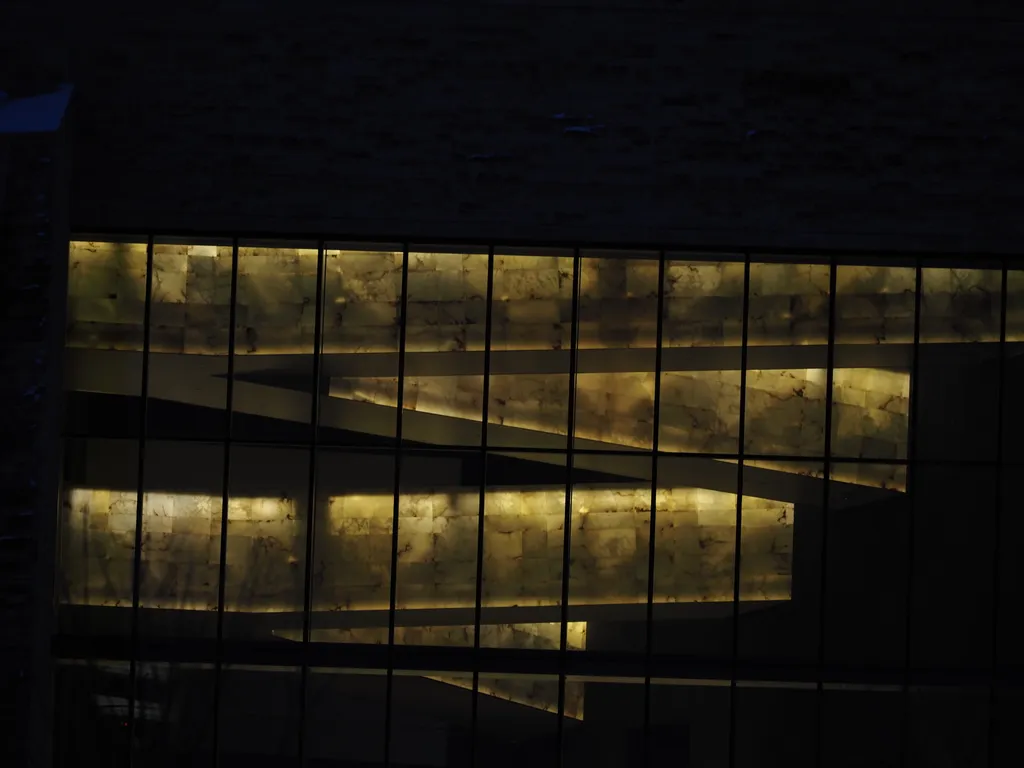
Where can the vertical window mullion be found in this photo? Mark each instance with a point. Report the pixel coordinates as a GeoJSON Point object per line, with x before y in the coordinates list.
{"type": "Point", "coordinates": [222, 563]}
{"type": "Point", "coordinates": [133, 673]}
{"type": "Point", "coordinates": [477, 605]}
{"type": "Point", "coordinates": [403, 304]}
{"type": "Point", "coordinates": [567, 519]}
{"type": "Point", "coordinates": [912, 503]}
{"type": "Point", "coordinates": [997, 527]}
{"type": "Point", "coordinates": [825, 483]}
{"type": "Point", "coordinates": [311, 506]}
{"type": "Point", "coordinates": [649, 621]}
{"type": "Point", "coordinates": [739, 513]}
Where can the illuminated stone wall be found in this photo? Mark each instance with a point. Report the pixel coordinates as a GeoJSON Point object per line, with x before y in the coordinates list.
{"type": "Point", "coordinates": [700, 410]}
{"type": "Point", "coordinates": [532, 300]}
{"type": "Point", "coordinates": [529, 393]}
{"type": "Point", "coordinates": [532, 312]}
{"type": "Point", "coordinates": [536, 636]}
{"type": "Point", "coordinates": [180, 550]}
{"type": "Point", "coordinates": [523, 540]}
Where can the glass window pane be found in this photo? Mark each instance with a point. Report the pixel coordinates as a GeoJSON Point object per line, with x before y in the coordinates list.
{"type": "Point", "coordinates": [785, 411]}
{"type": "Point", "coordinates": [609, 549]}
{"type": "Point", "coordinates": [617, 333]}
{"type": "Point", "coordinates": [948, 727]}
{"type": "Point", "coordinates": [780, 563]}
{"type": "Point", "coordinates": [870, 413]}
{"type": "Point", "coordinates": [957, 389]}
{"type": "Point", "coordinates": [694, 557]}
{"type": "Point", "coordinates": [517, 719]}
{"type": "Point", "coordinates": [438, 524]}
{"type": "Point", "coordinates": [1009, 708]}
{"type": "Point", "coordinates": [352, 557]}
{"type": "Point", "coordinates": [608, 727]}
{"type": "Point", "coordinates": [105, 337]}
{"type": "Point", "coordinates": [689, 722]}
{"type": "Point", "coordinates": [431, 718]}
{"type": "Point", "coordinates": [275, 322]}
{"type": "Point", "coordinates": [867, 570]}
{"type": "Point", "coordinates": [362, 299]}
{"type": "Point", "coordinates": [954, 512]}
{"type": "Point", "coordinates": [702, 335]}
{"type": "Point", "coordinates": [1013, 369]}
{"type": "Point", "coordinates": [873, 355]}
{"type": "Point", "coordinates": [181, 526]}
{"type": "Point", "coordinates": [266, 550]}
{"type": "Point", "coordinates": [345, 711]}
{"type": "Point", "coordinates": [1010, 638]}
{"type": "Point", "coordinates": [700, 410]}
{"type": "Point", "coordinates": [91, 725]}
{"type": "Point", "coordinates": [446, 311]}
{"type": "Point", "coordinates": [775, 725]}
{"type": "Point", "coordinates": [259, 715]}
{"type": "Point", "coordinates": [862, 725]}
{"type": "Point", "coordinates": [786, 380]}
{"type": "Point", "coordinates": [531, 319]}
{"type": "Point", "coordinates": [174, 715]}
{"type": "Point", "coordinates": [189, 334]}
{"type": "Point", "coordinates": [97, 536]}
{"type": "Point", "coordinates": [524, 530]}
{"type": "Point", "coordinates": [874, 304]}
{"type": "Point", "coordinates": [788, 304]}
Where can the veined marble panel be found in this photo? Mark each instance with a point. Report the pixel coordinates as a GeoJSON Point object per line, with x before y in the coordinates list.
{"type": "Point", "coordinates": [532, 303]}
{"type": "Point", "coordinates": [788, 304]}
{"type": "Point", "coordinates": [703, 304]}
{"type": "Point", "coordinates": [786, 412]}
{"type": "Point", "coordinates": [446, 302]}
{"type": "Point", "coordinates": [106, 295]}
{"type": "Point", "coordinates": [616, 408]}
{"type": "Point", "coordinates": [618, 303]}
{"type": "Point", "coordinates": [875, 305]}
{"type": "Point", "coordinates": [1015, 305]}
{"type": "Point", "coordinates": [522, 555]}
{"type": "Point", "coordinates": [960, 305]}
{"type": "Point", "coordinates": [529, 690]}
{"type": "Point", "coordinates": [524, 537]}
{"type": "Point", "coordinates": [180, 550]}
{"type": "Point", "coordinates": [699, 409]}
{"type": "Point", "coordinates": [362, 292]}
{"type": "Point", "coordinates": [97, 547]}
{"type": "Point", "coordinates": [277, 288]}
{"type": "Point", "coordinates": [870, 413]}
{"type": "Point", "coordinates": [544, 636]}
{"type": "Point", "coordinates": [696, 546]}
{"type": "Point", "coordinates": [532, 306]}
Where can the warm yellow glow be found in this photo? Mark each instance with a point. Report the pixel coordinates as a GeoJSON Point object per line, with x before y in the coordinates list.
{"type": "Point", "coordinates": [540, 636]}
{"type": "Point", "coordinates": [180, 554]}
{"type": "Point", "coordinates": [703, 302]}
{"type": "Point", "coordinates": [437, 530]}
{"type": "Point", "coordinates": [526, 690]}
{"type": "Point", "coordinates": [519, 689]}
{"type": "Point", "coordinates": [785, 410]}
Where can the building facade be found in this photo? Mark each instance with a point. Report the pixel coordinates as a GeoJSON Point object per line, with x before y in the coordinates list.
{"type": "Point", "coordinates": [503, 502]}
{"type": "Point", "coordinates": [448, 385]}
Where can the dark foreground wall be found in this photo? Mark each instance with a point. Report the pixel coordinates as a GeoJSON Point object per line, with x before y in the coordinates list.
{"type": "Point", "coordinates": [784, 122]}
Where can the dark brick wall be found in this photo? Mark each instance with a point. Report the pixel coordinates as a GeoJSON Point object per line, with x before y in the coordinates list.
{"type": "Point", "coordinates": [875, 125]}
{"type": "Point", "coordinates": [33, 244]}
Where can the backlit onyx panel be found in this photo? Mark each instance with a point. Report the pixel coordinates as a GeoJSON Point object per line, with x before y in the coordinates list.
{"type": "Point", "coordinates": [492, 504]}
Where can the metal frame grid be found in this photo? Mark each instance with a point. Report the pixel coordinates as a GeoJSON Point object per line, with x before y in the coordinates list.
{"type": "Point", "coordinates": [475, 660]}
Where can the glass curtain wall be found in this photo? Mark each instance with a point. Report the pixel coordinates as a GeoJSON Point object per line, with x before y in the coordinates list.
{"type": "Point", "coordinates": [412, 503]}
